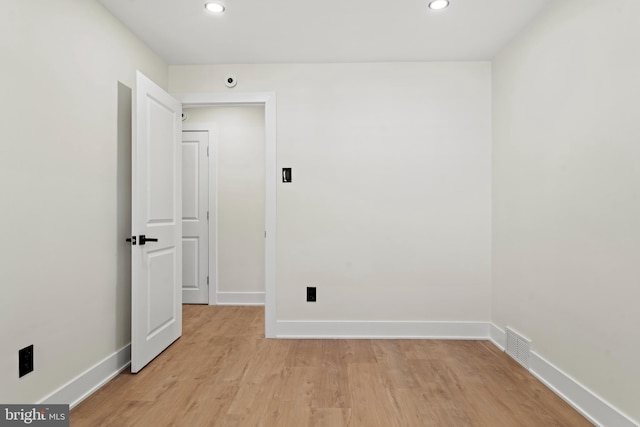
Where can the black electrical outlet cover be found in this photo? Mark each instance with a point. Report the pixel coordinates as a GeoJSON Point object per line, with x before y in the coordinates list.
{"type": "Point", "coordinates": [311, 294]}
{"type": "Point", "coordinates": [25, 361]}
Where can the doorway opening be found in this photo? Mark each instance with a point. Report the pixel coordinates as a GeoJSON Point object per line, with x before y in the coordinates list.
{"type": "Point", "coordinates": [267, 101]}
{"type": "Point", "coordinates": [223, 205]}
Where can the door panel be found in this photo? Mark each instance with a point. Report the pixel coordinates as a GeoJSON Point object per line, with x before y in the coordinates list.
{"type": "Point", "coordinates": [161, 162]}
{"type": "Point", "coordinates": [190, 262]}
{"type": "Point", "coordinates": [195, 225]}
{"type": "Point", "coordinates": [190, 179]}
{"type": "Point", "coordinates": [160, 285]}
{"type": "Point", "coordinates": [156, 297]}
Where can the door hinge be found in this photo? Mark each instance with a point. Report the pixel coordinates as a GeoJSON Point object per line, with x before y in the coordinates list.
{"type": "Point", "coordinates": [207, 215]}
{"type": "Point", "coordinates": [207, 151]}
{"type": "Point", "coordinates": [207, 280]}
{"type": "Point", "coordinates": [265, 234]}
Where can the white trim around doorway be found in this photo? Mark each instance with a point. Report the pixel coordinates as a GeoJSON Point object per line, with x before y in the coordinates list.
{"type": "Point", "coordinates": [268, 100]}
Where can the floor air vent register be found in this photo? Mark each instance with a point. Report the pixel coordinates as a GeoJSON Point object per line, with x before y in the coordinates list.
{"type": "Point", "coordinates": [518, 347]}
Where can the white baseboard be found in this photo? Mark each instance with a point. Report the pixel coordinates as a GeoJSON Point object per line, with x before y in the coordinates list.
{"type": "Point", "coordinates": [498, 337]}
{"type": "Point", "coordinates": [240, 298]}
{"type": "Point", "coordinates": [592, 406]}
{"type": "Point", "coordinates": [583, 400]}
{"type": "Point", "coordinates": [85, 384]}
{"type": "Point", "coordinates": [378, 329]}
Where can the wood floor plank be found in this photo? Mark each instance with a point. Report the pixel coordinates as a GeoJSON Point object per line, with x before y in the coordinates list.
{"type": "Point", "coordinates": [372, 405]}
{"type": "Point", "coordinates": [222, 372]}
{"type": "Point", "coordinates": [392, 358]}
{"type": "Point", "coordinates": [329, 417]}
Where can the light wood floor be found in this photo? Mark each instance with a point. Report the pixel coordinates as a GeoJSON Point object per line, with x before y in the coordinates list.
{"type": "Point", "coordinates": [223, 373]}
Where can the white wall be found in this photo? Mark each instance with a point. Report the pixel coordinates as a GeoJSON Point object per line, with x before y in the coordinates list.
{"type": "Point", "coordinates": [239, 156]}
{"type": "Point", "coordinates": [64, 280]}
{"type": "Point", "coordinates": [389, 212]}
{"type": "Point", "coordinates": [566, 239]}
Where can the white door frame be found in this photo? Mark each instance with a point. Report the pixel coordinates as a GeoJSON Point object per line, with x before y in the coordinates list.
{"type": "Point", "coordinates": [268, 100]}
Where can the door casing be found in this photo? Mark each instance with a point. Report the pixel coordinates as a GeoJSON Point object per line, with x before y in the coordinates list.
{"type": "Point", "coordinates": [268, 101]}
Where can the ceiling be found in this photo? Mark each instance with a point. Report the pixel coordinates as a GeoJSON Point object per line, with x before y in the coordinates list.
{"type": "Point", "coordinates": [302, 31]}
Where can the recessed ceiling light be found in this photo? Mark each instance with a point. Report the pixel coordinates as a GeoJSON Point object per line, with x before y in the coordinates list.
{"type": "Point", "coordinates": [214, 7]}
{"type": "Point", "coordinates": [438, 4]}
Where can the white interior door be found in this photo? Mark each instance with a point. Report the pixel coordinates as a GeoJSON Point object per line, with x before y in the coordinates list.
{"type": "Point", "coordinates": [156, 297]}
{"type": "Point", "coordinates": [195, 217]}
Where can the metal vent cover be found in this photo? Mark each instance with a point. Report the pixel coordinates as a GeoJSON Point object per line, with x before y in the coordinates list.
{"type": "Point", "coordinates": [518, 347]}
